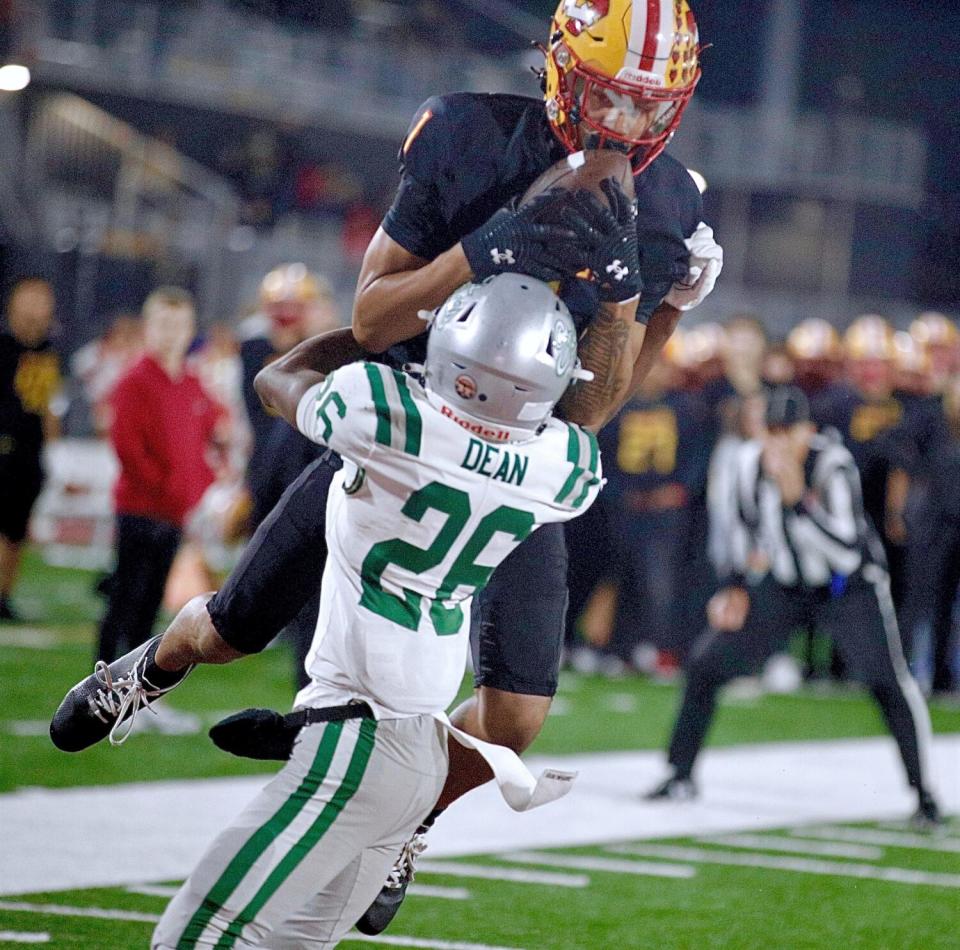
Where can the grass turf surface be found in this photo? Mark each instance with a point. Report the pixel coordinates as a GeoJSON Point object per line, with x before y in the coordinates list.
{"type": "Point", "coordinates": [719, 907]}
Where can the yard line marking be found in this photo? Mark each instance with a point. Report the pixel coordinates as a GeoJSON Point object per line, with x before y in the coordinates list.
{"type": "Point", "coordinates": [154, 890]}
{"type": "Point", "coordinates": [801, 865]}
{"type": "Point", "coordinates": [950, 831]}
{"type": "Point", "coordinates": [20, 936]}
{"type": "Point", "coordinates": [610, 865]}
{"type": "Point", "coordinates": [27, 727]}
{"type": "Point", "coordinates": [888, 839]}
{"type": "Point", "coordinates": [621, 703]}
{"type": "Point", "coordinates": [59, 910]}
{"type": "Point", "coordinates": [493, 873]}
{"type": "Point", "coordinates": [31, 637]}
{"type": "Point", "coordinates": [397, 941]}
{"type": "Point", "coordinates": [444, 893]}
{"type": "Point", "coordinates": [826, 849]}
{"type": "Point", "coordinates": [106, 914]}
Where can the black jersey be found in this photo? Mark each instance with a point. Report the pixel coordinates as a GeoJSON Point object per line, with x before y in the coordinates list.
{"type": "Point", "coordinates": [654, 442]}
{"type": "Point", "coordinates": [467, 154]}
{"type": "Point", "coordinates": [879, 434]}
{"type": "Point", "coordinates": [927, 427]}
{"type": "Point", "coordinates": [29, 377]}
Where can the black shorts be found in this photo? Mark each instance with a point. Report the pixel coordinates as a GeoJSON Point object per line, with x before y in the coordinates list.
{"type": "Point", "coordinates": [20, 485]}
{"type": "Point", "coordinates": [517, 625]}
{"type": "Point", "coordinates": [282, 564]}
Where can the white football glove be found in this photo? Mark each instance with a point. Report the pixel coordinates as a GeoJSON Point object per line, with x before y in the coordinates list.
{"type": "Point", "coordinates": [703, 269]}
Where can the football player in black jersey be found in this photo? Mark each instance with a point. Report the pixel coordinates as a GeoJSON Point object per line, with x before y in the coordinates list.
{"type": "Point", "coordinates": [618, 74]}
{"type": "Point", "coordinates": [880, 434]}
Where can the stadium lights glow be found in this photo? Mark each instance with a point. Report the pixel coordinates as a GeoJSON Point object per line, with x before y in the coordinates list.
{"type": "Point", "coordinates": [701, 182]}
{"type": "Point", "coordinates": [14, 77]}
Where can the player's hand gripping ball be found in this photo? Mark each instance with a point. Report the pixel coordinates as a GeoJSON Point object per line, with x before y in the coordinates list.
{"type": "Point", "coordinates": [523, 240]}
{"type": "Point", "coordinates": [599, 206]}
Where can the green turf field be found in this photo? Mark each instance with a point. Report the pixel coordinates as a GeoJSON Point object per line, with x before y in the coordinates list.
{"type": "Point", "coordinates": [613, 907]}
{"type": "Point", "coordinates": [765, 900]}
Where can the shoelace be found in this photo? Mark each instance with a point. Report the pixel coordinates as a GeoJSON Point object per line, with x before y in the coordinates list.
{"type": "Point", "coordinates": [402, 872]}
{"type": "Point", "coordinates": [118, 698]}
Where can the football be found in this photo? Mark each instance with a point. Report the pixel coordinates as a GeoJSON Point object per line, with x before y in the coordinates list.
{"type": "Point", "coordinates": [585, 169]}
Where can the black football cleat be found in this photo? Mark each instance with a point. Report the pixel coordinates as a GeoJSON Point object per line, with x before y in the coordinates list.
{"type": "Point", "coordinates": [927, 817]}
{"type": "Point", "coordinates": [673, 789]}
{"type": "Point", "coordinates": [112, 695]}
{"type": "Point", "coordinates": [385, 905]}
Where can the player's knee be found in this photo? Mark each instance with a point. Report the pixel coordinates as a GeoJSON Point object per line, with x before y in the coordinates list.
{"type": "Point", "coordinates": [513, 720]}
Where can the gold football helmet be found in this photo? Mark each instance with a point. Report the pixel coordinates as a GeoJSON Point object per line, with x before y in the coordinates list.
{"type": "Point", "coordinates": [288, 291]}
{"type": "Point", "coordinates": [814, 339]}
{"type": "Point", "coordinates": [869, 337]}
{"type": "Point", "coordinates": [934, 329]}
{"type": "Point", "coordinates": [620, 73]}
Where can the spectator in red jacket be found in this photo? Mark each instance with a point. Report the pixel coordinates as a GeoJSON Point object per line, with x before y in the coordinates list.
{"type": "Point", "coordinates": [163, 429]}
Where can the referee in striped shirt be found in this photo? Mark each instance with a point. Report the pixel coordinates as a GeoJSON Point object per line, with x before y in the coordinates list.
{"type": "Point", "coordinates": [805, 556]}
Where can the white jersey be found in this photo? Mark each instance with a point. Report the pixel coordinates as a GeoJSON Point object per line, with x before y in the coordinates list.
{"type": "Point", "coordinates": [417, 520]}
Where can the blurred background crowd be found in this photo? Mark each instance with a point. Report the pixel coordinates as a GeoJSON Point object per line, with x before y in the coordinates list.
{"type": "Point", "coordinates": [245, 151]}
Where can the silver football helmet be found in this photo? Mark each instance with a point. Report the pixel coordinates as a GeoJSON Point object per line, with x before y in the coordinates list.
{"type": "Point", "coordinates": [501, 353]}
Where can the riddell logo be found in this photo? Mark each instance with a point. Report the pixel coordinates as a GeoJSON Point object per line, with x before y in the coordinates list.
{"type": "Point", "coordinates": [477, 428]}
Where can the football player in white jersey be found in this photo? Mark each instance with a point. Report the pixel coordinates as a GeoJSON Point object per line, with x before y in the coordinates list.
{"type": "Point", "coordinates": [442, 480]}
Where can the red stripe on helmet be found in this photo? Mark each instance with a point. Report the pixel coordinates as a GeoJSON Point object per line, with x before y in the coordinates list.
{"type": "Point", "coordinates": [649, 53]}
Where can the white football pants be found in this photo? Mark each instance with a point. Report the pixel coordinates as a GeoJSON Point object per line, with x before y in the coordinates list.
{"type": "Point", "coordinates": [307, 857]}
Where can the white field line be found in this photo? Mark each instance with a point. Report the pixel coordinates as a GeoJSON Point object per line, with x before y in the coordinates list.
{"type": "Point", "coordinates": [108, 914]}
{"type": "Point", "coordinates": [45, 833]}
{"type": "Point", "coordinates": [801, 865]}
{"type": "Point", "coordinates": [885, 839]}
{"type": "Point", "coordinates": [59, 910]}
{"type": "Point", "coordinates": [19, 936]}
{"type": "Point", "coordinates": [27, 727]}
{"type": "Point", "coordinates": [950, 831]}
{"type": "Point", "coordinates": [823, 849]}
{"type": "Point", "coordinates": [608, 865]}
{"type": "Point", "coordinates": [489, 872]}
{"type": "Point", "coordinates": [444, 893]}
{"type": "Point", "coordinates": [398, 941]}
{"type": "Point", "coordinates": [417, 890]}
{"type": "Point", "coordinates": [32, 638]}
{"type": "Point", "coordinates": [154, 890]}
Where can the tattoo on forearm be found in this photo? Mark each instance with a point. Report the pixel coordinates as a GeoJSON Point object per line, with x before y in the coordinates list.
{"type": "Point", "coordinates": [602, 349]}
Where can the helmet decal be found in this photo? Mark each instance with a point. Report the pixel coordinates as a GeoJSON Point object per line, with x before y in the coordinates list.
{"type": "Point", "coordinates": [466, 386]}
{"type": "Point", "coordinates": [564, 347]}
{"type": "Point", "coordinates": [584, 13]}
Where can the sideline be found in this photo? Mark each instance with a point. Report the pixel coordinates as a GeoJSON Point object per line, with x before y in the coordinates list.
{"type": "Point", "coordinates": [47, 832]}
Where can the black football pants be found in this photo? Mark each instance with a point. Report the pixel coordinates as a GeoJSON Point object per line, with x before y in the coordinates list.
{"type": "Point", "coordinates": [863, 625]}
{"type": "Point", "coordinates": [145, 551]}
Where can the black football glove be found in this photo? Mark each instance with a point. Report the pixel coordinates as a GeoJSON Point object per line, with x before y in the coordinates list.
{"type": "Point", "coordinates": [531, 239]}
{"type": "Point", "coordinates": [608, 236]}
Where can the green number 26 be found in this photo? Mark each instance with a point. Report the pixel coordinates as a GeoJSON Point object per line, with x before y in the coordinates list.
{"type": "Point", "coordinates": [455, 504]}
